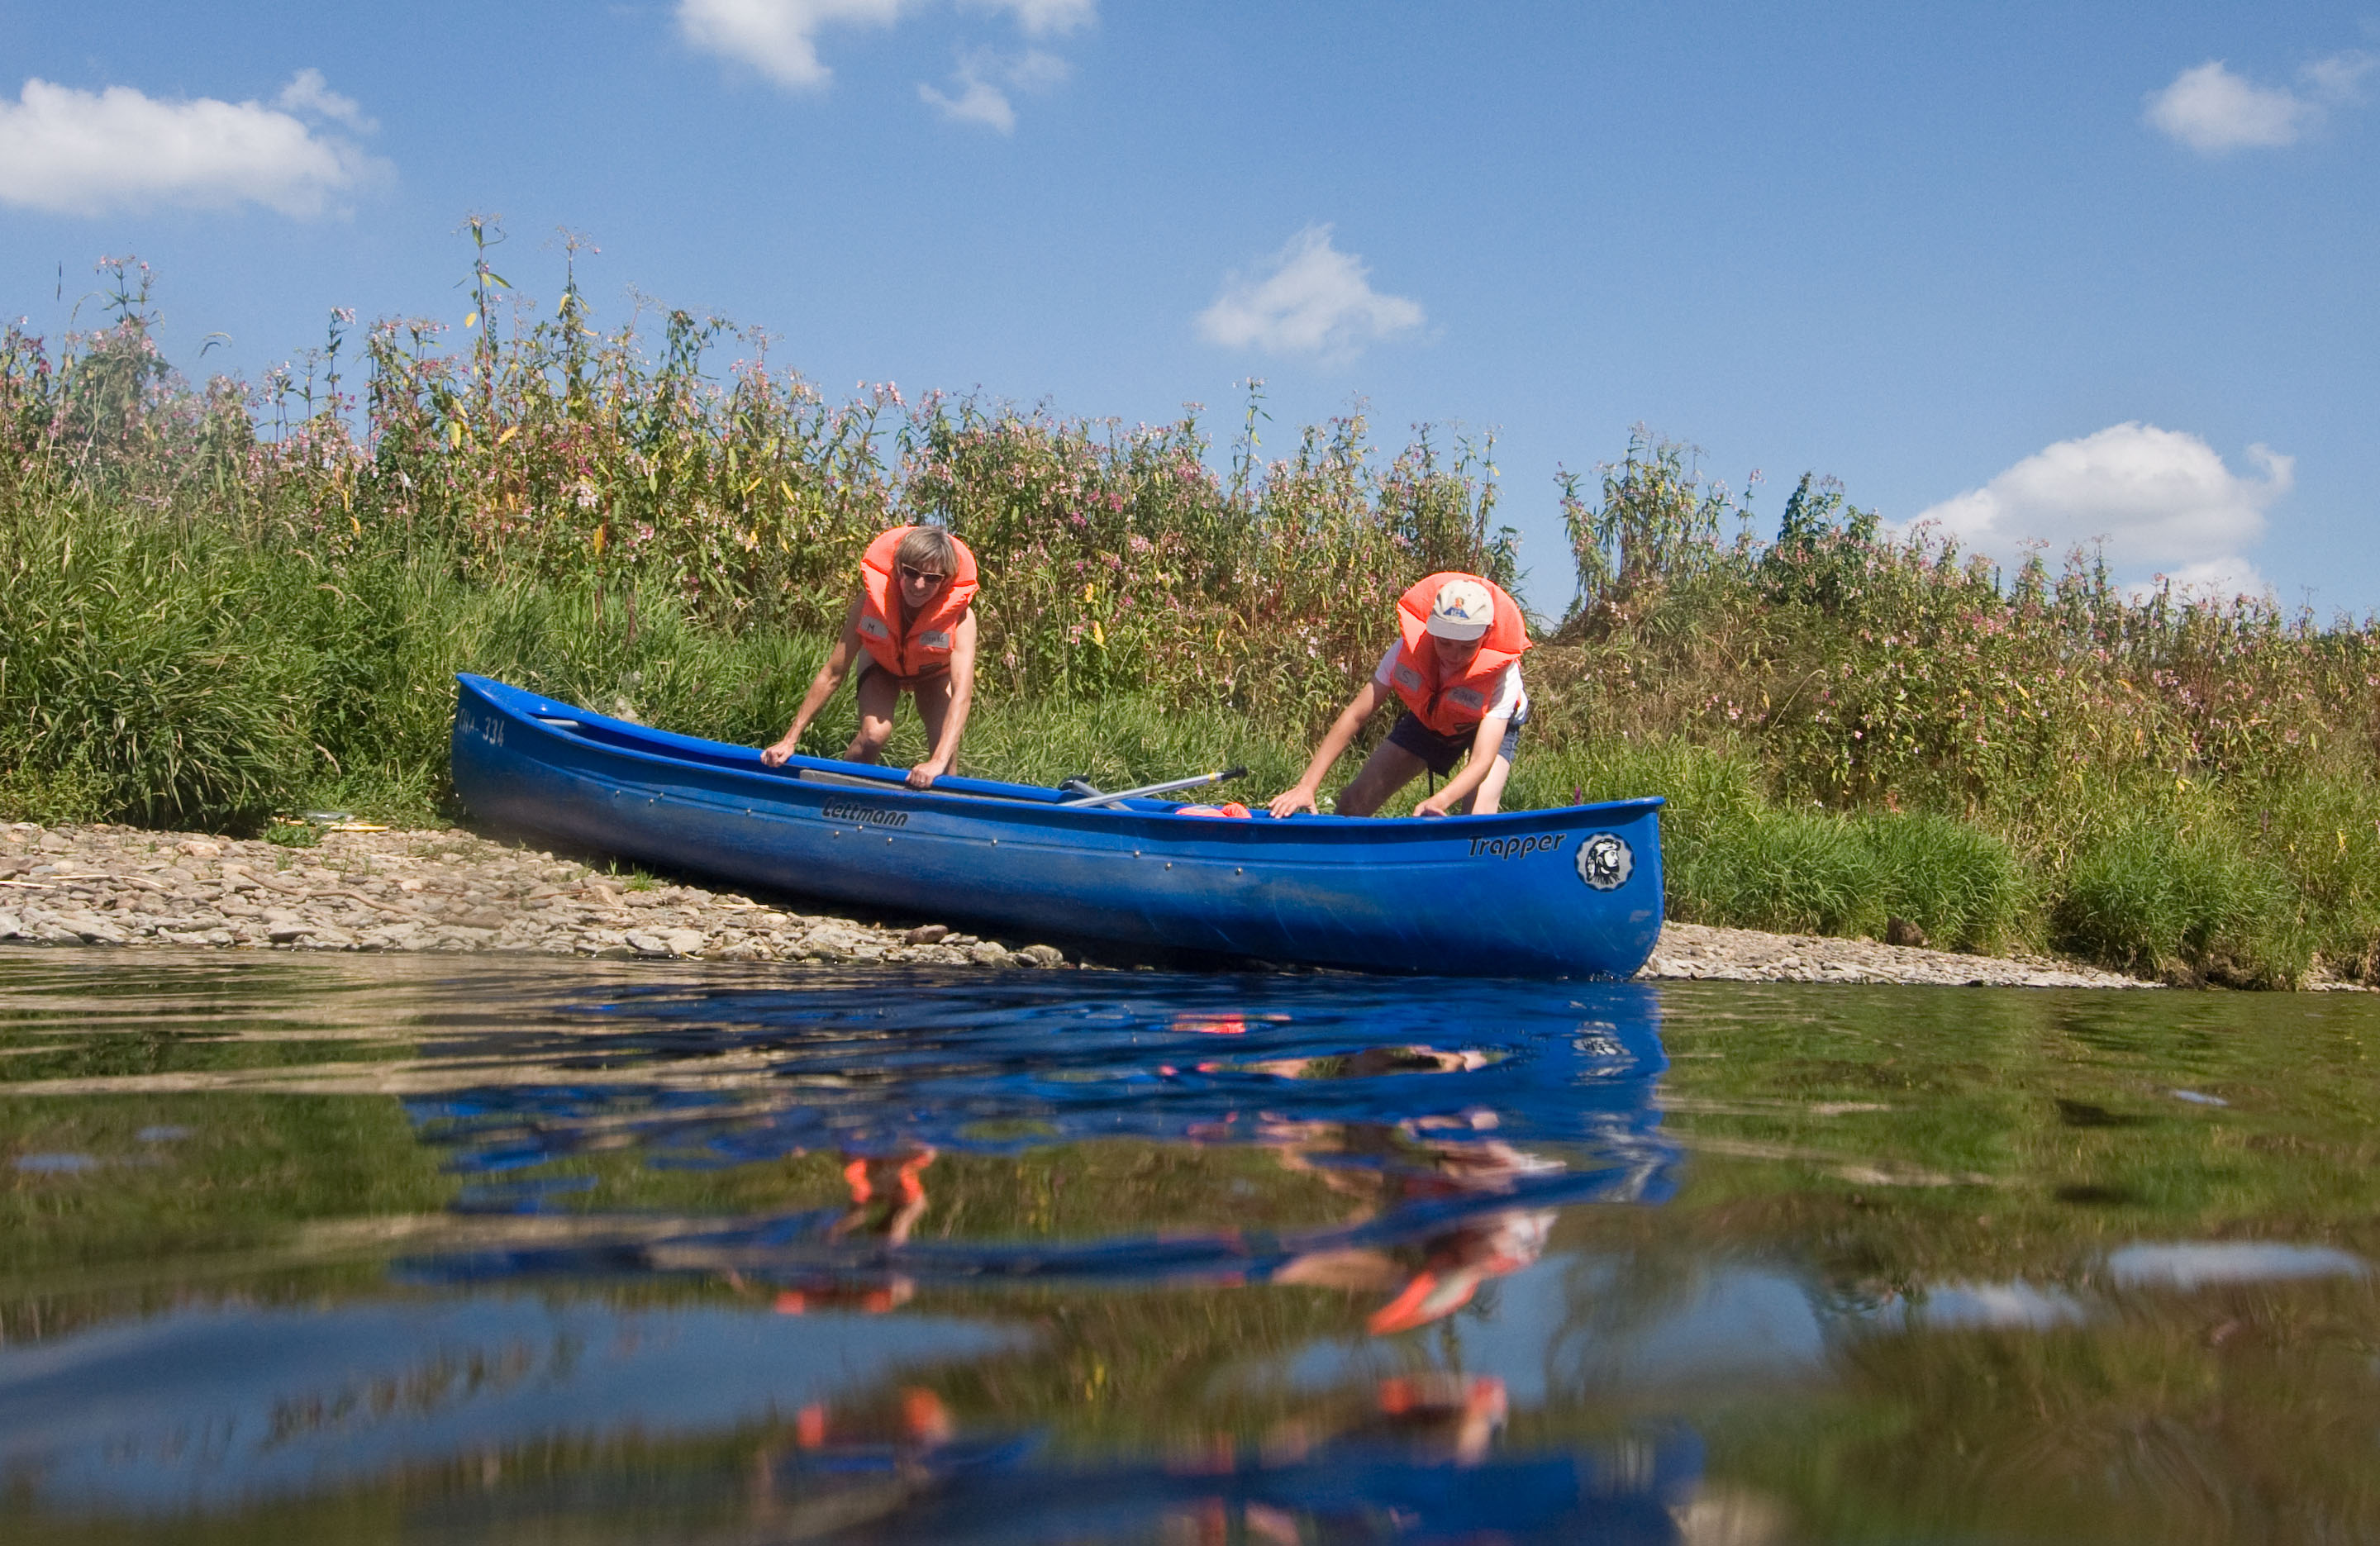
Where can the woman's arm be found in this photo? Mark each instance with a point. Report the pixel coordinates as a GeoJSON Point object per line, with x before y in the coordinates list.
{"type": "Point", "coordinates": [946, 748]}
{"type": "Point", "coordinates": [830, 677]}
{"type": "Point", "coordinates": [1486, 743]}
{"type": "Point", "coordinates": [1335, 741]}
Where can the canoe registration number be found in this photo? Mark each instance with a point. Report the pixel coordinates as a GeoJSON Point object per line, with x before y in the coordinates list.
{"type": "Point", "coordinates": [485, 728]}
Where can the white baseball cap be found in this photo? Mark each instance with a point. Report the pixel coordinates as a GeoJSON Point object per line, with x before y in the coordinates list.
{"type": "Point", "coordinates": [1463, 610]}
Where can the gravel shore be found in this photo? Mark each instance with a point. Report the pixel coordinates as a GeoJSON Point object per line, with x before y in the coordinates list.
{"type": "Point", "coordinates": [453, 890]}
{"type": "Point", "coordinates": [417, 891]}
{"type": "Point", "coordinates": [1747, 955]}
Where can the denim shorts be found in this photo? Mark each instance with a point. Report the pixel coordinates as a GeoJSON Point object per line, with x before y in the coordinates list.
{"type": "Point", "coordinates": [1440, 753]}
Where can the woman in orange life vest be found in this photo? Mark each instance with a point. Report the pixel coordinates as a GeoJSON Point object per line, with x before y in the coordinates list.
{"type": "Point", "coordinates": [1456, 668]}
{"type": "Point", "coordinates": [909, 630]}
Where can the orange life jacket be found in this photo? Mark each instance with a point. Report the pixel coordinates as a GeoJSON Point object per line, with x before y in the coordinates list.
{"type": "Point", "coordinates": [925, 648]}
{"type": "Point", "coordinates": [1456, 706]}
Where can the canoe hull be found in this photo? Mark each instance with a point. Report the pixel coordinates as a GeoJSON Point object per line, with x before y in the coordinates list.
{"type": "Point", "coordinates": [1479, 896]}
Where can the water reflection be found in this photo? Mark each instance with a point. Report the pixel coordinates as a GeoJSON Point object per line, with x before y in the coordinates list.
{"type": "Point", "coordinates": [1442, 1165]}
{"type": "Point", "coordinates": [302, 1249]}
{"type": "Point", "coordinates": [847, 1228]}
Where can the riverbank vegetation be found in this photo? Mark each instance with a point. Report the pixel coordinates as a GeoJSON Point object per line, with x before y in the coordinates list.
{"type": "Point", "coordinates": [222, 602]}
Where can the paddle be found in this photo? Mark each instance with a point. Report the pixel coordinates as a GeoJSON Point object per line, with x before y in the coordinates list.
{"type": "Point", "coordinates": [1086, 800]}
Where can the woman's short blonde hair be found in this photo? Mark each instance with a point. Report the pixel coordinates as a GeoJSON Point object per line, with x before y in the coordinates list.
{"type": "Point", "coordinates": [928, 548]}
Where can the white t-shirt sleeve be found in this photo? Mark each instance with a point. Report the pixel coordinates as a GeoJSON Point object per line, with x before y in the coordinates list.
{"type": "Point", "coordinates": [1380, 672]}
{"type": "Point", "coordinates": [1511, 700]}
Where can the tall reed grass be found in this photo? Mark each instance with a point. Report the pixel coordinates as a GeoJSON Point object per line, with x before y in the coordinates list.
{"type": "Point", "coordinates": [222, 601]}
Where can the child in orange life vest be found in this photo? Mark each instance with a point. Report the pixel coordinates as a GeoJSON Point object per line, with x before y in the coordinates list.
{"type": "Point", "coordinates": [909, 630]}
{"type": "Point", "coordinates": [1456, 667]}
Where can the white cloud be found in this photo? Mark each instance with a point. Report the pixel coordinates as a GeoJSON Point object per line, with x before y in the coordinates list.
{"type": "Point", "coordinates": [86, 153]}
{"type": "Point", "coordinates": [2339, 78]}
{"type": "Point", "coordinates": [309, 92]}
{"type": "Point", "coordinates": [2211, 110]}
{"type": "Point", "coordinates": [2157, 500]}
{"type": "Point", "coordinates": [1042, 17]}
{"type": "Point", "coordinates": [1312, 299]}
{"type": "Point", "coordinates": [779, 38]}
{"type": "Point", "coordinates": [986, 77]}
{"type": "Point", "coordinates": [2216, 579]}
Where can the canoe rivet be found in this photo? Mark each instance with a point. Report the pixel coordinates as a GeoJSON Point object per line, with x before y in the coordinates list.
{"type": "Point", "coordinates": [1240, 871]}
{"type": "Point", "coordinates": [1169, 864]}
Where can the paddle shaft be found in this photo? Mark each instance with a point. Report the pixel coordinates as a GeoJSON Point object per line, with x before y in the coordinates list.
{"type": "Point", "coordinates": [1225, 775]}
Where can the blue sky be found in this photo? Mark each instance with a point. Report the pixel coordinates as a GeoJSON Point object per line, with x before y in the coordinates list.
{"type": "Point", "coordinates": [2040, 272]}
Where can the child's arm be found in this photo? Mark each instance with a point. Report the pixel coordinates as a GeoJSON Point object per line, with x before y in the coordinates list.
{"type": "Point", "coordinates": [946, 750]}
{"type": "Point", "coordinates": [1335, 741]}
{"type": "Point", "coordinates": [1485, 744]}
{"type": "Point", "coordinates": [830, 677]}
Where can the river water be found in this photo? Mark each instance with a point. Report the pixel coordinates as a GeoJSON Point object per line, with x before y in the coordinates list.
{"type": "Point", "coordinates": [428, 1249]}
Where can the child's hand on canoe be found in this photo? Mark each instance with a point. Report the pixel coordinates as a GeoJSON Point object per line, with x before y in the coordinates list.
{"type": "Point", "coordinates": [1293, 801]}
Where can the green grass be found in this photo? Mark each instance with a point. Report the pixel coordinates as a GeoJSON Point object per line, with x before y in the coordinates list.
{"type": "Point", "coordinates": [2156, 899]}
{"type": "Point", "coordinates": [1734, 856]}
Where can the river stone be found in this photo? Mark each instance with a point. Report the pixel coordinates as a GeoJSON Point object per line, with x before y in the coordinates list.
{"type": "Point", "coordinates": [841, 941]}
{"type": "Point", "coordinates": [683, 942]}
{"type": "Point", "coordinates": [10, 927]}
{"type": "Point", "coordinates": [648, 944]}
{"type": "Point", "coordinates": [989, 952]}
{"type": "Point", "coordinates": [1043, 955]}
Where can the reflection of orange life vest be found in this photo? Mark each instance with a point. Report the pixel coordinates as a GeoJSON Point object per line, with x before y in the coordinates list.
{"type": "Point", "coordinates": [1453, 708]}
{"type": "Point", "coordinates": [925, 648]}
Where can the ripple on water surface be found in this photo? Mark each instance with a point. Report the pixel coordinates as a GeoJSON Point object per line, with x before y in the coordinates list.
{"type": "Point", "coordinates": [478, 1249]}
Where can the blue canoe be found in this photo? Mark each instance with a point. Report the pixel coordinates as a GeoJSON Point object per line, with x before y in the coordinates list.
{"type": "Point", "coordinates": [1568, 892]}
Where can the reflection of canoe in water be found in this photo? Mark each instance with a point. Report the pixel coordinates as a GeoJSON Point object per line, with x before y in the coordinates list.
{"type": "Point", "coordinates": [1567, 892]}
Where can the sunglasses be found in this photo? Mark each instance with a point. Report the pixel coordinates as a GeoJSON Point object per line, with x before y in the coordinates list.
{"type": "Point", "coordinates": [921, 576]}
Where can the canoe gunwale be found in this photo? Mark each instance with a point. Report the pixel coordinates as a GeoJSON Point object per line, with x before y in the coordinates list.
{"type": "Point", "coordinates": [991, 799]}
